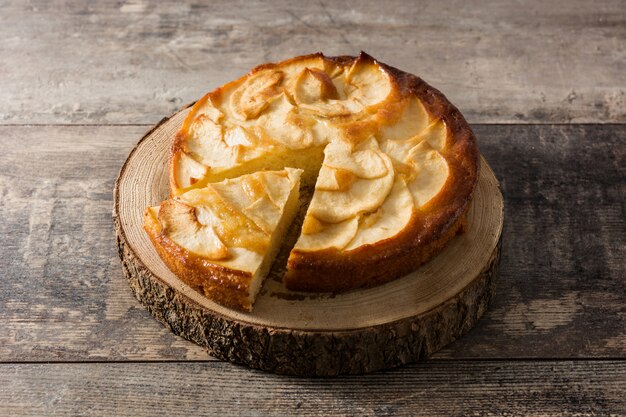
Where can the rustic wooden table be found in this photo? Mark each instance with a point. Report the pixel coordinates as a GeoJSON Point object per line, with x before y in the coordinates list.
{"type": "Point", "coordinates": [543, 85]}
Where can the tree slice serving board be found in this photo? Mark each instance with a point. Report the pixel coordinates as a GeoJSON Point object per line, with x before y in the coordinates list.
{"type": "Point", "coordinates": [312, 334]}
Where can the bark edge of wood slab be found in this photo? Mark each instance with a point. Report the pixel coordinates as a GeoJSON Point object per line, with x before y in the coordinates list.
{"type": "Point", "coordinates": [308, 335]}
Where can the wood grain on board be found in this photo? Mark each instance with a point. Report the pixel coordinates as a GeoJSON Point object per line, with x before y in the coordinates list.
{"type": "Point", "coordinates": [135, 61]}
{"type": "Point", "coordinates": [560, 294]}
{"type": "Point", "coordinates": [434, 388]}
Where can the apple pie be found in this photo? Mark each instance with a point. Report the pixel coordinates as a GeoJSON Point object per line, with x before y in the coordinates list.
{"type": "Point", "coordinates": [390, 163]}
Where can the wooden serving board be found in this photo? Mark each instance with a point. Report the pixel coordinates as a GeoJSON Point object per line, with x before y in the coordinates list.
{"type": "Point", "coordinates": [312, 334]}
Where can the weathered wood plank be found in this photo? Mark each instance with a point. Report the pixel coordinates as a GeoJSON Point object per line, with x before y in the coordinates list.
{"type": "Point", "coordinates": [430, 389]}
{"type": "Point", "coordinates": [135, 61]}
{"type": "Point", "coordinates": [561, 291]}
{"type": "Point", "coordinates": [563, 276]}
{"type": "Point", "coordinates": [62, 292]}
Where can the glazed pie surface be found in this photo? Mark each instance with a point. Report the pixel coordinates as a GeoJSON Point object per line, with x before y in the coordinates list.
{"type": "Point", "coordinates": [390, 163]}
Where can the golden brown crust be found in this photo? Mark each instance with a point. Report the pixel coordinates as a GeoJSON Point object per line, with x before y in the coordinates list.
{"type": "Point", "coordinates": [223, 285]}
{"type": "Point", "coordinates": [177, 143]}
{"type": "Point", "coordinates": [367, 266]}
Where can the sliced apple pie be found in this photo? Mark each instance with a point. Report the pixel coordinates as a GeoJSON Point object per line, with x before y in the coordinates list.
{"type": "Point", "coordinates": [390, 163]}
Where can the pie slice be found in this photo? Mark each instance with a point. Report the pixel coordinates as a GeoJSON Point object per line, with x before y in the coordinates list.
{"type": "Point", "coordinates": [222, 239]}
